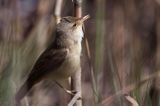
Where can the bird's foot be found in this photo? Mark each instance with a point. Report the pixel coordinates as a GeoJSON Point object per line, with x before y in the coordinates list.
{"type": "Point", "coordinates": [71, 92]}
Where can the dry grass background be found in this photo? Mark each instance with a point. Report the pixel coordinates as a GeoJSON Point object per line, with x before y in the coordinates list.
{"type": "Point", "coordinates": [124, 39]}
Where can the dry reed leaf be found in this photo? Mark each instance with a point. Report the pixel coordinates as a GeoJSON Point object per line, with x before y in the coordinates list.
{"type": "Point", "coordinates": [131, 100]}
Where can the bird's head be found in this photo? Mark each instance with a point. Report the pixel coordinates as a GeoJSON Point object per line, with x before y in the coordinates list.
{"type": "Point", "coordinates": [72, 26]}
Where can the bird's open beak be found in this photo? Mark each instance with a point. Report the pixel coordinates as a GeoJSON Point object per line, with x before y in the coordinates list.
{"type": "Point", "coordinates": [81, 20]}
{"type": "Point", "coordinates": [85, 18]}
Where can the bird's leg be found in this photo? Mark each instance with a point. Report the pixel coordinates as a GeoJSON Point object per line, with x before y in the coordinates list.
{"type": "Point", "coordinates": [66, 90]}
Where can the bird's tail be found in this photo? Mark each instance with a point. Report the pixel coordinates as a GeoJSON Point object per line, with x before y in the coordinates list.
{"type": "Point", "coordinates": [21, 93]}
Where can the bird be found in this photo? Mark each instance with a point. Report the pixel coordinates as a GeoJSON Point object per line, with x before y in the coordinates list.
{"type": "Point", "coordinates": [61, 59]}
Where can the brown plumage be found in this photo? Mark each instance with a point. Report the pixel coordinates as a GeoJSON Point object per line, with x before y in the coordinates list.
{"type": "Point", "coordinates": [61, 59]}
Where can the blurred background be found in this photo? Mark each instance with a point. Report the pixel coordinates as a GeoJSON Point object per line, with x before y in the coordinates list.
{"type": "Point", "coordinates": [124, 40]}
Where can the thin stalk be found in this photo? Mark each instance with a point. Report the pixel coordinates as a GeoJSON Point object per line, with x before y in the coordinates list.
{"type": "Point", "coordinates": [57, 12]}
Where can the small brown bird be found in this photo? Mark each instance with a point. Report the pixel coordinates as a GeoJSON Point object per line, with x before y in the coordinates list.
{"type": "Point", "coordinates": [61, 59]}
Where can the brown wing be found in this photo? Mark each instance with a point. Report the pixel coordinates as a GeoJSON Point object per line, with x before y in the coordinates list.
{"type": "Point", "coordinates": [50, 60]}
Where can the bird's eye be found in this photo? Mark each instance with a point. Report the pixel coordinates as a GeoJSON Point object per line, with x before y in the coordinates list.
{"type": "Point", "coordinates": [61, 20]}
{"type": "Point", "coordinates": [74, 25]}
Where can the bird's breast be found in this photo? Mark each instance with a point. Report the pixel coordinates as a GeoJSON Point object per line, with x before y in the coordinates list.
{"type": "Point", "coordinates": [70, 65]}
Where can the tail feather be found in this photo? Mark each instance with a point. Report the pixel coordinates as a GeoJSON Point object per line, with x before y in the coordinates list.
{"type": "Point", "coordinates": [25, 88]}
